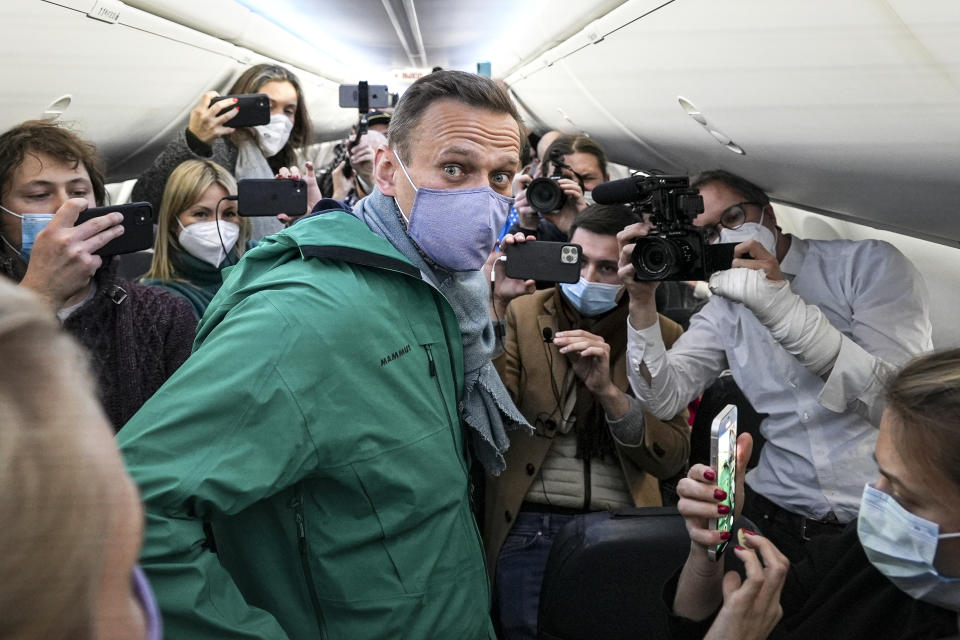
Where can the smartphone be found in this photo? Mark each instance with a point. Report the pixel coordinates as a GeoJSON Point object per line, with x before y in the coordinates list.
{"type": "Point", "coordinates": [269, 197]}
{"type": "Point", "coordinates": [137, 227]}
{"type": "Point", "coordinates": [723, 458]}
{"type": "Point", "coordinates": [254, 109]}
{"type": "Point", "coordinates": [378, 96]}
{"type": "Point", "coordinates": [544, 261]}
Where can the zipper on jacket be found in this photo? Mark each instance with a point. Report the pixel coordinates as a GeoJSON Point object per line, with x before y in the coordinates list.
{"type": "Point", "coordinates": [305, 562]}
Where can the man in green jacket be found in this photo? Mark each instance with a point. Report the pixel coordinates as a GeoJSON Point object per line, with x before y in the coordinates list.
{"type": "Point", "coordinates": [339, 384]}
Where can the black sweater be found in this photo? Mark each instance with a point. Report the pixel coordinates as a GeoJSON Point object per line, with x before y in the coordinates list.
{"type": "Point", "coordinates": [836, 593]}
{"type": "Point", "coordinates": [135, 336]}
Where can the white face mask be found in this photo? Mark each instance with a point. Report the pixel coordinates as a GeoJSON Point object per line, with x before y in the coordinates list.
{"type": "Point", "coordinates": [902, 547]}
{"type": "Point", "coordinates": [274, 135]}
{"type": "Point", "coordinates": [751, 231]}
{"type": "Point", "coordinates": [202, 240]}
{"type": "Point", "coordinates": [30, 225]}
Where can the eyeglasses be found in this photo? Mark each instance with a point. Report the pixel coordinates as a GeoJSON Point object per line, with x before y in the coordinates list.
{"type": "Point", "coordinates": [731, 218]}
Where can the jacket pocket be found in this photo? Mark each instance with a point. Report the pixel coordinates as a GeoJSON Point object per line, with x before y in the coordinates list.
{"type": "Point", "coordinates": [304, 551]}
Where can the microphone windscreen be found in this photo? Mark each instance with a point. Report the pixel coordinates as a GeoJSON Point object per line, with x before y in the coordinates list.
{"type": "Point", "coordinates": [547, 334]}
{"type": "Point", "coordinates": [616, 191]}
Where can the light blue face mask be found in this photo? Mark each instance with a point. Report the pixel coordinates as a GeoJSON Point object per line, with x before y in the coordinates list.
{"type": "Point", "coordinates": [30, 225]}
{"type": "Point", "coordinates": [591, 298]}
{"type": "Point", "coordinates": [902, 547]}
{"type": "Point", "coordinates": [456, 228]}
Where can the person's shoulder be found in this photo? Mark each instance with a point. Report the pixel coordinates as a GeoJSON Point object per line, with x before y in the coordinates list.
{"type": "Point", "coordinates": [156, 301]}
{"type": "Point", "coordinates": [532, 303]}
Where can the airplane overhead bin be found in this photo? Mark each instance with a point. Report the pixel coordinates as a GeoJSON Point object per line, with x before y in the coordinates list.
{"type": "Point", "coordinates": [128, 78]}
{"type": "Point", "coordinates": [846, 108]}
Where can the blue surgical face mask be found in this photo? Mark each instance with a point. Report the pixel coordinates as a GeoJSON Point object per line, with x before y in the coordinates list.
{"type": "Point", "coordinates": [902, 547]}
{"type": "Point", "coordinates": [30, 225]}
{"type": "Point", "coordinates": [591, 298]}
{"type": "Point", "coordinates": [456, 228]}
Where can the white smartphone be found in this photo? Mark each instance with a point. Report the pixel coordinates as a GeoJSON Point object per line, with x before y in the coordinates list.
{"type": "Point", "coordinates": [723, 458]}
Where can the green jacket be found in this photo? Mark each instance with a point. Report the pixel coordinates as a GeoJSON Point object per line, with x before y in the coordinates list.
{"type": "Point", "coordinates": [315, 427]}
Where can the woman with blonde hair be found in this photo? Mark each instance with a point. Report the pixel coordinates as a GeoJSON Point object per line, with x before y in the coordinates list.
{"type": "Point", "coordinates": [71, 518]}
{"type": "Point", "coordinates": [198, 233]}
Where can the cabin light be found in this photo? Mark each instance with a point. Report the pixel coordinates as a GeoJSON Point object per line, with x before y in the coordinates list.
{"type": "Point", "coordinates": [691, 110]}
{"type": "Point", "coordinates": [56, 108]}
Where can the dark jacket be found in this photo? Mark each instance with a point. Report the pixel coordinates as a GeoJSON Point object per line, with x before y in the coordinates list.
{"type": "Point", "coordinates": [836, 593]}
{"type": "Point", "coordinates": [135, 335]}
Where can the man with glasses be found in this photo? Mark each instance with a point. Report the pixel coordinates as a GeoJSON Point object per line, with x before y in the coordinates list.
{"type": "Point", "coordinates": [809, 330]}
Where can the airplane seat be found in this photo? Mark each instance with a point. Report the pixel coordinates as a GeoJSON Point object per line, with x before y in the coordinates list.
{"type": "Point", "coordinates": [718, 395]}
{"type": "Point", "coordinates": [131, 266]}
{"type": "Point", "coordinates": [606, 571]}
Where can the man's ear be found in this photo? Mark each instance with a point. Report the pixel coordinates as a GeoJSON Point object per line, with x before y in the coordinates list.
{"type": "Point", "coordinates": [385, 171]}
{"type": "Point", "coordinates": [768, 213]}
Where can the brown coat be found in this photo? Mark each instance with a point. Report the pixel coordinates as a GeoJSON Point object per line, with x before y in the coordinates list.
{"type": "Point", "coordinates": [524, 367]}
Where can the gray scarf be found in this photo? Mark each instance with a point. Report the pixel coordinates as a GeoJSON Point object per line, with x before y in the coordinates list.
{"type": "Point", "coordinates": [252, 164]}
{"type": "Point", "coordinates": [487, 407]}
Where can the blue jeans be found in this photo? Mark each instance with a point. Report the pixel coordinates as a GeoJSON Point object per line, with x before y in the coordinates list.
{"type": "Point", "coordinates": [520, 568]}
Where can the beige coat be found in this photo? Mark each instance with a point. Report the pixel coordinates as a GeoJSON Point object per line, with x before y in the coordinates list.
{"type": "Point", "coordinates": [666, 445]}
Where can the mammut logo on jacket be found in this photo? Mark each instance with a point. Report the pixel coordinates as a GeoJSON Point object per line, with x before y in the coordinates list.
{"type": "Point", "coordinates": [393, 356]}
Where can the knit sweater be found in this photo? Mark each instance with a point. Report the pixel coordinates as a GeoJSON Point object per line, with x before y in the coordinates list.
{"type": "Point", "coordinates": [135, 336]}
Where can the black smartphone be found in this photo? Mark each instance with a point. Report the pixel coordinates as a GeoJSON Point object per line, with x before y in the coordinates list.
{"type": "Point", "coordinates": [378, 96]}
{"type": "Point", "coordinates": [544, 261]}
{"type": "Point", "coordinates": [723, 458]}
{"type": "Point", "coordinates": [269, 197]}
{"type": "Point", "coordinates": [137, 227]}
{"type": "Point", "coordinates": [254, 109]}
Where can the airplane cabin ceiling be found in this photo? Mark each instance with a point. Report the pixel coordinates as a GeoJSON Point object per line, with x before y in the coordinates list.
{"type": "Point", "coordinates": [849, 108]}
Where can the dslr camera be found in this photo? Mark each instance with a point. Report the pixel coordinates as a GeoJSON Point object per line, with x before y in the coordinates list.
{"type": "Point", "coordinates": [676, 249]}
{"type": "Point", "coordinates": [544, 194]}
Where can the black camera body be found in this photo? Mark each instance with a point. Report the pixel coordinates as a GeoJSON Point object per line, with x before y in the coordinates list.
{"type": "Point", "coordinates": [676, 249]}
{"type": "Point", "coordinates": [544, 194]}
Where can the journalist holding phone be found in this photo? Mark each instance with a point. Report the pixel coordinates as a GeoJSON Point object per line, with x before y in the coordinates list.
{"type": "Point", "coordinates": [894, 572]}
{"type": "Point", "coordinates": [136, 335]}
{"type": "Point", "coordinates": [247, 152]}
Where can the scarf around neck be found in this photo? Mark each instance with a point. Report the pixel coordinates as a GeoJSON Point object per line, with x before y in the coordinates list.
{"type": "Point", "coordinates": [486, 406]}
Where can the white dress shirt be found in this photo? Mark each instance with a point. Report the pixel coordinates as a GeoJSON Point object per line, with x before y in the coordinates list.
{"type": "Point", "coordinates": [820, 435]}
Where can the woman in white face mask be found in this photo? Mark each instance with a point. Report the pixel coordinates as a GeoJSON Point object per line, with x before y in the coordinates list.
{"type": "Point", "coordinates": [198, 233]}
{"type": "Point", "coordinates": [893, 573]}
{"type": "Point", "coordinates": [249, 152]}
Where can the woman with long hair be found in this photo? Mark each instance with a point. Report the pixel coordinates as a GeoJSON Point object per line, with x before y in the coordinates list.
{"type": "Point", "coordinates": [249, 152]}
{"type": "Point", "coordinates": [893, 573]}
{"type": "Point", "coordinates": [198, 232]}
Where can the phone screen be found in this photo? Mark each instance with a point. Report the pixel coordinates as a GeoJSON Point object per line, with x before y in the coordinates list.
{"type": "Point", "coordinates": [724, 460]}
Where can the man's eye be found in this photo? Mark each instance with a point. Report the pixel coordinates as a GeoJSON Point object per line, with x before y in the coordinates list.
{"type": "Point", "coordinates": [502, 178]}
{"type": "Point", "coordinates": [453, 170]}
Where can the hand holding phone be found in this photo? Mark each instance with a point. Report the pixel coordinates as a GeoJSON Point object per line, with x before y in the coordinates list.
{"type": "Point", "coordinates": [254, 109]}
{"type": "Point", "coordinates": [723, 458]}
{"type": "Point", "coordinates": [137, 227]}
{"type": "Point", "coordinates": [545, 261]}
{"type": "Point", "coordinates": [271, 197]}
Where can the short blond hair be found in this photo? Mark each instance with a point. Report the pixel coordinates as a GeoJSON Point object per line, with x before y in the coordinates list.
{"type": "Point", "coordinates": [185, 186]}
{"type": "Point", "coordinates": [52, 499]}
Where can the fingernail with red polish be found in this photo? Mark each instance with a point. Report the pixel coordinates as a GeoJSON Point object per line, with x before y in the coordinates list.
{"type": "Point", "coordinates": [723, 509]}
{"type": "Point", "coordinates": [740, 548]}
{"type": "Point", "coordinates": [719, 494]}
{"type": "Point", "coordinates": [724, 535]}
{"type": "Point", "coordinates": [709, 475]}
{"type": "Point", "coordinates": [753, 533]}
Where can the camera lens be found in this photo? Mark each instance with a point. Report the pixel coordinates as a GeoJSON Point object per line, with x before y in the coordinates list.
{"type": "Point", "coordinates": [654, 259]}
{"type": "Point", "coordinates": [545, 195]}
